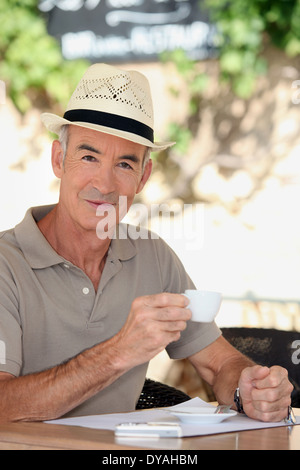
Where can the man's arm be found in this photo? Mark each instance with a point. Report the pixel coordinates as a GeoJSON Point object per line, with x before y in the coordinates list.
{"type": "Point", "coordinates": [52, 393]}
{"type": "Point", "coordinates": [265, 392]}
{"type": "Point", "coordinates": [153, 322]}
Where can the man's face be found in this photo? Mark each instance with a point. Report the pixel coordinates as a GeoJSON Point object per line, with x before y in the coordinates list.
{"type": "Point", "coordinates": [98, 169]}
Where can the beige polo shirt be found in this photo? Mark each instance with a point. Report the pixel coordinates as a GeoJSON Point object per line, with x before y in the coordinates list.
{"type": "Point", "coordinates": [49, 311]}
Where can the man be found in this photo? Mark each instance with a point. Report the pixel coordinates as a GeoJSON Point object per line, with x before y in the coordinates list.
{"type": "Point", "coordinates": [81, 314]}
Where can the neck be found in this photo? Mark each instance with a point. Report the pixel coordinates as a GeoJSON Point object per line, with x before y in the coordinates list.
{"type": "Point", "coordinates": [81, 247]}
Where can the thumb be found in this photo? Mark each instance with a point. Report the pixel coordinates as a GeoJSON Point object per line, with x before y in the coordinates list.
{"type": "Point", "coordinates": [257, 373]}
{"type": "Point", "coordinates": [250, 376]}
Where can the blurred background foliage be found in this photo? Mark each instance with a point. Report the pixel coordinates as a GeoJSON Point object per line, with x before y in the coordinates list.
{"type": "Point", "coordinates": [37, 76]}
{"type": "Point", "coordinates": [245, 29]}
{"type": "Point", "coordinates": [31, 62]}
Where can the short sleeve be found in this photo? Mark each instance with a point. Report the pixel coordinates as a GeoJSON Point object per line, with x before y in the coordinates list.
{"type": "Point", "coordinates": [196, 337]}
{"type": "Point", "coordinates": [10, 329]}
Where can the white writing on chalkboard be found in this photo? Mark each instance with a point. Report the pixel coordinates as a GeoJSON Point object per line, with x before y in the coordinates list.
{"type": "Point", "coordinates": [124, 30]}
{"type": "Point", "coordinates": [149, 41]}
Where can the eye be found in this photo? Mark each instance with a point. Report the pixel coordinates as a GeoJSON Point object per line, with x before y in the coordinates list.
{"type": "Point", "coordinates": [125, 165]}
{"type": "Point", "coordinates": [89, 158]}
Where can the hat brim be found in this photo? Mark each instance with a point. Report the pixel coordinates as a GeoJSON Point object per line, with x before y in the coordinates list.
{"type": "Point", "coordinates": [54, 124]}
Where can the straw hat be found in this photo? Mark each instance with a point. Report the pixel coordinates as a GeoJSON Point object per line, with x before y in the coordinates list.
{"type": "Point", "coordinates": [112, 101]}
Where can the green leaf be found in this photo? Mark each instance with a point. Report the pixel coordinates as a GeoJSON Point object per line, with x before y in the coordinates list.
{"type": "Point", "coordinates": [244, 85]}
{"type": "Point", "coordinates": [232, 62]}
{"type": "Point", "coordinates": [181, 135]}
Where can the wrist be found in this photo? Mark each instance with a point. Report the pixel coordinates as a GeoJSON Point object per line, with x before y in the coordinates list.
{"type": "Point", "coordinates": [238, 401]}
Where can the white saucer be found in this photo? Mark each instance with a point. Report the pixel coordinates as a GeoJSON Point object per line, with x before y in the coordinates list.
{"type": "Point", "coordinates": [201, 415]}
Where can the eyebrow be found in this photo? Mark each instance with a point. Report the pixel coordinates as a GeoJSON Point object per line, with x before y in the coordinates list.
{"type": "Point", "coordinates": [133, 158]}
{"type": "Point", "coordinates": [89, 148]}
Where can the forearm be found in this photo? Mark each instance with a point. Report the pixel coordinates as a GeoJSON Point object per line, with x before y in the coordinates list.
{"type": "Point", "coordinates": [52, 393]}
{"type": "Point", "coordinates": [227, 378]}
{"type": "Point", "coordinates": [153, 322]}
{"type": "Point", "coordinates": [265, 392]}
{"type": "Point", "coordinates": [220, 365]}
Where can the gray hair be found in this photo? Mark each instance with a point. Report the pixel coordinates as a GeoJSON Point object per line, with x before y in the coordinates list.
{"type": "Point", "coordinates": [146, 157]}
{"type": "Point", "coordinates": [64, 139]}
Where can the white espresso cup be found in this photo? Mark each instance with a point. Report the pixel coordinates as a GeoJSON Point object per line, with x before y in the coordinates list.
{"type": "Point", "coordinates": [204, 305]}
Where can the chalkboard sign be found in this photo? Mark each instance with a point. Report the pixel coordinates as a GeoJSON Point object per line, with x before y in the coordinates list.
{"type": "Point", "coordinates": [129, 30]}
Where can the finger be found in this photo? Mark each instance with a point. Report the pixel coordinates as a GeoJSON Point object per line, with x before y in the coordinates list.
{"type": "Point", "coordinates": [255, 373]}
{"type": "Point", "coordinates": [271, 404]}
{"type": "Point", "coordinates": [268, 410]}
{"type": "Point", "coordinates": [171, 314]}
{"type": "Point", "coordinates": [174, 326]}
{"type": "Point", "coordinates": [273, 396]}
{"type": "Point", "coordinates": [277, 376]}
{"type": "Point", "coordinates": [270, 416]}
{"type": "Point", "coordinates": [166, 299]}
{"type": "Point", "coordinates": [281, 392]}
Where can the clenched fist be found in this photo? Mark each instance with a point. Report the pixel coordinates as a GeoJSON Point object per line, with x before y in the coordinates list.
{"type": "Point", "coordinates": [265, 392]}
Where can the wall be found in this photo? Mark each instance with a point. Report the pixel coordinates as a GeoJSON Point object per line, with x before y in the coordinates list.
{"type": "Point", "coordinates": [243, 173]}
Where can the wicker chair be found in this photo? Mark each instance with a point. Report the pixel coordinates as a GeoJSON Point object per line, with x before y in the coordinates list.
{"type": "Point", "coordinates": [264, 346]}
{"type": "Point", "coordinates": [158, 395]}
{"type": "Point", "coordinates": [268, 347]}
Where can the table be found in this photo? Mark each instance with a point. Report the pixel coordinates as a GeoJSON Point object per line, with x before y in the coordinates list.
{"type": "Point", "coordinates": [42, 436]}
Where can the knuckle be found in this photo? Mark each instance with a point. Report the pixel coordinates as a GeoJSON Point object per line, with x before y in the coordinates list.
{"type": "Point", "coordinates": [272, 395]}
{"type": "Point", "coordinates": [176, 336]}
{"type": "Point", "coordinates": [164, 298]}
{"type": "Point", "coordinates": [157, 343]}
{"type": "Point", "coordinates": [165, 313]}
{"type": "Point", "coordinates": [184, 325]}
{"type": "Point", "coordinates": [137, 302]}
{"type": "Point", "coordinates": [290, 387]}
{"type": "Point", "coordinates": [280, 370]}
{"type": "Point", "coordinates": [274, 381]}
{"type": "Point", "coordinates": [287, 401]}
{"type": "Point", "coordinates": [285, 372]}
{"type": "Point", "coordinates": [267, 417]}
{"type": "Point", "coordinates": [264, 407]}
{"type": "Point", "coordinates": [179, 326]}
{"type": "Point", "coordinates": [187, 314]}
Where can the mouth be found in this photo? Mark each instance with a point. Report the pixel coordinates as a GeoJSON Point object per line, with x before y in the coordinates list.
{"type": "Point", "coordinates": [97, 204]}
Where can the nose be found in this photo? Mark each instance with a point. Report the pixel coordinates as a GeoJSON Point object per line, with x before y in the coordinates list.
{"type": "Point", "coordinates": [104, 180]}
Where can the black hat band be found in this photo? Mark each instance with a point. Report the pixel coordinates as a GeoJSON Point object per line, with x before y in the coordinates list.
{"type": "Point", "coordinates": [114, 121]}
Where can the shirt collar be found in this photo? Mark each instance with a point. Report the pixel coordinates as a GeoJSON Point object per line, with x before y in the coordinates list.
{"type": "Point", "coordinates": [33, 244]}
{"type": "Point", "coordinates": [122, 246]}
{"type": "Point", "coordinates": [39, 252]}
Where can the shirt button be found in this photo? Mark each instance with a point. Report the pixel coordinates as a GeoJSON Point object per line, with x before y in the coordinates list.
{"type": "Point", "coordinates": [85, 290]}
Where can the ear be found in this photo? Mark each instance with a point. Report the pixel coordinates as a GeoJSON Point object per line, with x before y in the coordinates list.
{"type": "Point", "coordinates": [145, 177]}
{"type": "Point", "coordinates": [57, 159]}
